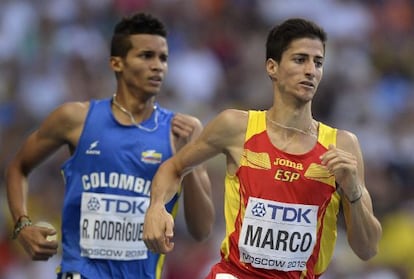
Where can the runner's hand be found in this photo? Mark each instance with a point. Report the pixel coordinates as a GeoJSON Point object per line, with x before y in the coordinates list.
{"type": "Point", "coordinates": [158, 230]}
{"type": "Point", "coordinates": [183, 126]}
{"type": "Point", "coordinates": [35, 243]}
{"type": "Point", "coordinates": [343, 165]}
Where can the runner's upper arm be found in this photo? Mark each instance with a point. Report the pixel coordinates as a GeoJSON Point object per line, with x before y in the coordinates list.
{"type": "Point", "coordinates": [61, 126]}
{"type": "Point", "coordinates": [221, 135]}
{"type": "Point", "coordinates": [348, 141]}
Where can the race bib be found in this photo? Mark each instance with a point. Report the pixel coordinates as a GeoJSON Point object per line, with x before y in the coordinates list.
{"type": "Point", "coordinates": [111, 227]}
{"type": "Point", "coordinates": [278, 235]}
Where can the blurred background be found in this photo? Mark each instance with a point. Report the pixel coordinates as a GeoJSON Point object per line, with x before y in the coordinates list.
{"type": "Point", "coordinates": [53, 51]}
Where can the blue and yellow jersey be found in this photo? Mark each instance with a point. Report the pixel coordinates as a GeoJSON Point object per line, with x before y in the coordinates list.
{"type": "Point", "coordinates": [107, 189]}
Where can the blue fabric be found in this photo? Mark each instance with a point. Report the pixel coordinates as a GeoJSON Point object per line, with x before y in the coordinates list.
{"type": "Point", "coordinates": [119, 160]}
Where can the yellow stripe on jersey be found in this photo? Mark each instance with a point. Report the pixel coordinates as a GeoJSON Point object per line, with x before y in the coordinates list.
{"type": "Point", "coordinates": [256, 123]}
{"type": "Point", "coordinates": [329, 229]}
{"type": "Point", "coordinates": [327, 136]}
{"type": "Point", "coordinates": [232, 204]}
{"type": "Point", "coordinates": [320, 173]}
{"type": "Point", "coordinates": [255, 160]}
{"type": "Point", "coordinates": [160, 264]}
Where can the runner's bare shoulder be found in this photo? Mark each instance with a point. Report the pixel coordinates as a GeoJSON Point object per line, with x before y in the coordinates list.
{"type": "Point", "coordinates": [66, 122]}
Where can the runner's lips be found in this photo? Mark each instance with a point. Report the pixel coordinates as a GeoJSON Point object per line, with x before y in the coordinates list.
{"type": "Point", "coordinates": [155, 78]}
{"type": "Point", "coordinates": [307, 83]}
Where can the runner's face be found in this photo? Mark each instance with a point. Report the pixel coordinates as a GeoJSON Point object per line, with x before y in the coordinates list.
{"type": "Point", "coordinates": [300, 69]}
{"type": "Point", "coordinates": [145, 65]}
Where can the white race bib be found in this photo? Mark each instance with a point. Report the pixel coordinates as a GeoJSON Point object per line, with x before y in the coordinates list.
{"type": "Point", "coordinates": [278, 235]}
{"type": "Point", "coordinates": [111, 226]}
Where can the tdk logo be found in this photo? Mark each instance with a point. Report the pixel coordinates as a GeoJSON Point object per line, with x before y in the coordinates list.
{"type": "Point", "coordinates": [283, 214]}
{"type": "Point", "coordinates": [93, 204]}
{"type": "Point", "coordinates": [124, 206]}
{"type": "Point", "coordinates": [289, 214]}
{"type": "Point", "coordinates": [259, 210]}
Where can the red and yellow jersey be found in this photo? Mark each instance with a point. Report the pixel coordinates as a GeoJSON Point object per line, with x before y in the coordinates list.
{"type": "Point", "coordinates": [280, 209]}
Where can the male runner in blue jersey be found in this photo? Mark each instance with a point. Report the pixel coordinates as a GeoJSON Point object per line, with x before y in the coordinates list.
{"type": "Point", "coordinates": [116, 145]}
